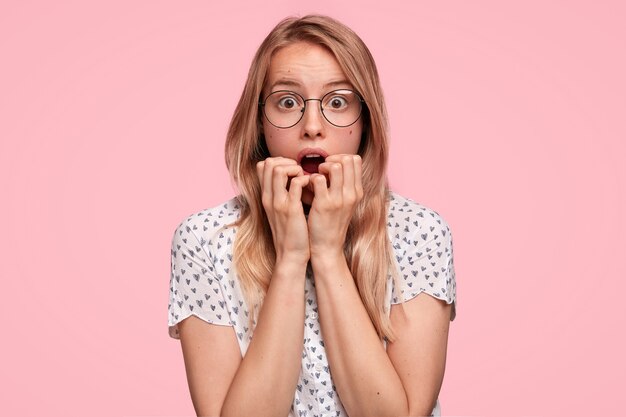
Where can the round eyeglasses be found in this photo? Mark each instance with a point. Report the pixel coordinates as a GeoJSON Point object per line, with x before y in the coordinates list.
{"type": "Point", "coordinates": [284, 109]}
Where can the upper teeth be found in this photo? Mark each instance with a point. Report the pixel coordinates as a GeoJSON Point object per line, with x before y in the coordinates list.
{"type": "Point", "coordinates": [312, 155]}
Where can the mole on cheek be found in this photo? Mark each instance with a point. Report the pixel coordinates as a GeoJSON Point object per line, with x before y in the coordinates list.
{"type": "Point", "coordinates": [350, 131]}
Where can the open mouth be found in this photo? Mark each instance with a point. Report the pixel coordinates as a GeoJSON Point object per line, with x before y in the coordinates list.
{"type": "Point", "coordinates": [311, 163]}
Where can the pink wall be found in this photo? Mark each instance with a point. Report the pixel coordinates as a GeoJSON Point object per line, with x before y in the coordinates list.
{"type": "Point", "coordinates": [507, 120]}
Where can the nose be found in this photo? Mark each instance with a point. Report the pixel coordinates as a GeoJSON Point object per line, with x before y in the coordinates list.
{"type": "Point", "coordinates": [313, 119]}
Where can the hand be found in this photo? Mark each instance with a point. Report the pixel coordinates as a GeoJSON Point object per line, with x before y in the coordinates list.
{"type": "Point", "coordinates": [284, 207]}
{"type": "Point", "coordinates": [333, 206]}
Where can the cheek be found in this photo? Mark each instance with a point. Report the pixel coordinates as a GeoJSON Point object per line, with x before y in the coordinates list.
{"type": "Point", "coordinates": [354, 138]}
{"type": "Point", "coordinates": [275, 141]}
{"type": "Point", "coordinates": [270, 142]}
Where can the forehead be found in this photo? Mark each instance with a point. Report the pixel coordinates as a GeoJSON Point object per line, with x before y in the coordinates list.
{"type": "Point", "coordinates": [304, 65]}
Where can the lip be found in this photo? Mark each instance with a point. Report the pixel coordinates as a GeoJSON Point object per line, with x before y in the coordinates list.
{"type": "Point", "coordinates": [309, 151]}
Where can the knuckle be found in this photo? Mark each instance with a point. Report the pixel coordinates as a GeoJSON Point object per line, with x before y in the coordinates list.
{"type": "Point", "coordinates": [271, 162]}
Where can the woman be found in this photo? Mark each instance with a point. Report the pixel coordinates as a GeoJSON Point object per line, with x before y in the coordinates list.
{"type": "Point", "coordinates": [313, 322]}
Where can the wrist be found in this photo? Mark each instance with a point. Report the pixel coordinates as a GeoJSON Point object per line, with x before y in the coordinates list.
{"type": "Point", "coordinates": [290, 265]}
{"type": "Point", "coordinates": [328, 259]}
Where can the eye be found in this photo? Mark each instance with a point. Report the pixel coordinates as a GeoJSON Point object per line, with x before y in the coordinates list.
{"type": "Point", "coordinates": [287, 101]}
{"type": "Point", "coordinates": [336, 102]}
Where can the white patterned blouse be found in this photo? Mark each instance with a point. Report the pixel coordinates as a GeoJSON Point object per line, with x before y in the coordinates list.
{"type": "Point", "coordinates": [204, 284]}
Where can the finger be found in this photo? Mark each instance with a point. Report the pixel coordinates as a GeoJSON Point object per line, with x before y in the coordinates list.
{"type": "Point", "coordinates": [349, 188]}
{"type": "Point", "coordinates": [334, 158]}
{"type": "Point", "coordinates": [342, 159]}
{"type": "Point", "coordinates": [335, 173]}
{"type": "Point", "coordinates": [265, 193]}
{"type": "Point", "coordinates": [297, 184]}
{"type": "Point", "coordinates": [281, 175]}
{"type": "Point", "coordinates": [259, 171]}
{"type": "Point", "coordinates": [319, 186]}
{"type": "Point", "coordinates": [267, 177]}
{"type": "Point", "coordinates": [268, 169]}
{"type": "Point", "coordinates": [358, 176]}
{"type": "Point", "coordinates": [324, 169]}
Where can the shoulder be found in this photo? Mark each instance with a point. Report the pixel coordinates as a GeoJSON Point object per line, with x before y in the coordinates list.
{"type": "Point", "coordinates": [200, 263]}
{"type": "Point", "coordinates": [206, 224]}
{"type": "Point", "coordinates": [407, 218]}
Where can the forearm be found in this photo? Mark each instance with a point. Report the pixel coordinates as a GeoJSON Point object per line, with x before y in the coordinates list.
{"type": "Point", "coordinates": [364, 376]}
{"type": "Point", "coordinates": [272, 363]}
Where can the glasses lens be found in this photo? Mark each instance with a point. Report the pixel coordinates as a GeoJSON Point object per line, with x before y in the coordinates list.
{"type": "Point", "coordinates": [341, 107]}
{"type": "Point", "coordinates": [283, 108]}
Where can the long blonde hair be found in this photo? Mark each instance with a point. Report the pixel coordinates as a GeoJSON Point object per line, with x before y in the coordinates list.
{"type": "Point", "coordinates": [367, 248]}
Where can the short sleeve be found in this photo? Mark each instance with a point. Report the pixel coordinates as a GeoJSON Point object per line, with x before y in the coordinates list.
{"type": "Point", "coordinates": [425, 259]}
{"type": "Point", "coordinates": [194, 287]}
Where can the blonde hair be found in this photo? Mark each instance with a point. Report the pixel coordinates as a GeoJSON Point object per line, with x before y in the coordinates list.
{"type": "Point", "coordinates": [367, 248]}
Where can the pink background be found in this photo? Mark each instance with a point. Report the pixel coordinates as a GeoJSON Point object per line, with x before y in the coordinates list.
{"type": "Point", "coordinates": [506, 119]}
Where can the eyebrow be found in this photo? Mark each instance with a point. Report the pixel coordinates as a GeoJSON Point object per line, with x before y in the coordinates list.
{"type": "Point", "coordinates": [294, 83]}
